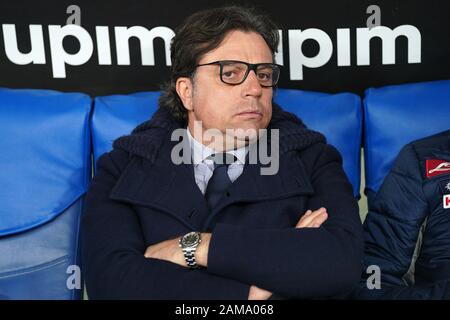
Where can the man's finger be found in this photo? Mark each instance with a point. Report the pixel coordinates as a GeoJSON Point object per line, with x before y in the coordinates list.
{"type": "Point", "coordinates": [306, 219]}
{"type": "Point", "coordinates": [308, 216]}
{"type": "Point", "coordinates": [316, 220]}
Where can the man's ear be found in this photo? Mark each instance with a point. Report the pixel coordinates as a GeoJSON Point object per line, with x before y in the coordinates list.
{"type": "Point", "coordinates": [184, 87]}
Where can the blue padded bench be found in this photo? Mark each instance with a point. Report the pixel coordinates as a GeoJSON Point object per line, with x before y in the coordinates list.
{"type": "Point", "coordinates": [337, 116]}
{"type": "Point", "coordinates": [45, 171]}
{"type": "Point", "coordinates": [397, 115]}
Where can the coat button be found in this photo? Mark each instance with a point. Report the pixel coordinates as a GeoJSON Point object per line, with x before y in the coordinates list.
{"type": "Point", "coordinates": [191, 213]}
{"type": "Point", "coordinates": [228, 193]}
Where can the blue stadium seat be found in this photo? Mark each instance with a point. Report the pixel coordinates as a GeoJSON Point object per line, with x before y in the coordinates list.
{"type": "Point", "coordinates": [397, 115]}
{"type": "Point", "coordinates": [118, 115]}
{"type": "Point", "coordinates": [45, 171]}
{"type": "Point", "coordinates": [337, 116]}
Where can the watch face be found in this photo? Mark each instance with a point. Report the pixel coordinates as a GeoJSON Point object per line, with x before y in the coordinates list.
{"type": "Point", "coordinates": [190, 239]}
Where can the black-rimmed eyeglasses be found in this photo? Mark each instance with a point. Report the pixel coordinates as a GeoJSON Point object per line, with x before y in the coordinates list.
{"type": "Point", "coordinates": [235, 72]}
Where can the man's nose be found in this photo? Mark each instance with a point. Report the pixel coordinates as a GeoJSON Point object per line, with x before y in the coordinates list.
{"type": "Point", "coordinates": [251, 84]}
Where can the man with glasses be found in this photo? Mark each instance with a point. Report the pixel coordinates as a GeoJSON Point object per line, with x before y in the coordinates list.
{"type": "Point", "coordinates": [214, 226]}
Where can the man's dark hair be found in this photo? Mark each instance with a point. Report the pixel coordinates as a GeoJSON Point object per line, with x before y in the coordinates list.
{"type": "Point", "coordinates": [202, 32]}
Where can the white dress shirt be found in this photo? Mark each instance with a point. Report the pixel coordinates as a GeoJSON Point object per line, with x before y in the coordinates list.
{"type": "Point", "coordinates": [203, 167]}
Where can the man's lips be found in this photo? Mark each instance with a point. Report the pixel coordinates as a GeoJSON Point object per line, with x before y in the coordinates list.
{"type": "Point", "coordinates": [250, 114]}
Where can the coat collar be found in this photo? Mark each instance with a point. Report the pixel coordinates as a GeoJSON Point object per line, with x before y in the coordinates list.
{"type": "Point", "coordinates": [172, 187]}
{"type": "Point", "coordinates": [146, 139]}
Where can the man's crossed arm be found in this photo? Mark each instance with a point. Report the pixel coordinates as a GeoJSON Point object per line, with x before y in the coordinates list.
{"type": "Point", "coordinates": [169, 250]}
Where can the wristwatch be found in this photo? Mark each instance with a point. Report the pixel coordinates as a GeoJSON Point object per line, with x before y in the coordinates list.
{"type": "Point", "coordinates": [189, 243]}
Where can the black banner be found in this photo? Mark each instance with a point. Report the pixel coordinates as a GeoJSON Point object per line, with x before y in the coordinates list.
{"type": "Point", "coordinates": [106, 47]}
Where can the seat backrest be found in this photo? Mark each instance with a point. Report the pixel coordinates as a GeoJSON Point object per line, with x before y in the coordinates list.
{"type": "Point", "coordinates": [45, 171]}
{"type": "Point", "coordinates": [397, 115]}
{"type": "Point", "coordinates": [337, 116]}
{"type": "Point", "coordinates": [118, 115]}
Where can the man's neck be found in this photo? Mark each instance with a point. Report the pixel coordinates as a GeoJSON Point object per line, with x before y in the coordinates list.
{"type": "Point", "coordinates": [201, 151]}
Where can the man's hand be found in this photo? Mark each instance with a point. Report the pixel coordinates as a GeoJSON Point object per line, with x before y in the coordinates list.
{"type": "Point", "coordinates": [256, 293]}
{"type": "Point", "coordinates": [311, 219]}
{"type": "Point", "coordinates": [166, 250]}
{"type": "Point", "coordinates": [169, 250]}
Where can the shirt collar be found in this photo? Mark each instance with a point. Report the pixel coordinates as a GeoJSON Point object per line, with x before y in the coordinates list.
{"type": "Point", "coordinates": [200, 152]}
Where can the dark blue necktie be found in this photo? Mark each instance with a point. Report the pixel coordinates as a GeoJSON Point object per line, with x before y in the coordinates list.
{"type": "Point", "coordinates": [219, 181]}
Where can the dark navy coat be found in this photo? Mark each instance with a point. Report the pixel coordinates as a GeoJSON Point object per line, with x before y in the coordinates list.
{"type": "Point", "coordinates": [138, 197]}
{"type": "Point", "coordinates": [407, 229]}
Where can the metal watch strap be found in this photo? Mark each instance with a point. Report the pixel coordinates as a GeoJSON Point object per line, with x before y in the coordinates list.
{"type": "Point", "coordinates": [189, 256]}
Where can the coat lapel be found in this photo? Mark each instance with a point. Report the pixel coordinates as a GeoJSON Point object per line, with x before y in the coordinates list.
{"type": "Point", "coordinates": [252, 186]}
{"type": "Point", "coordinates": [164, 186]}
